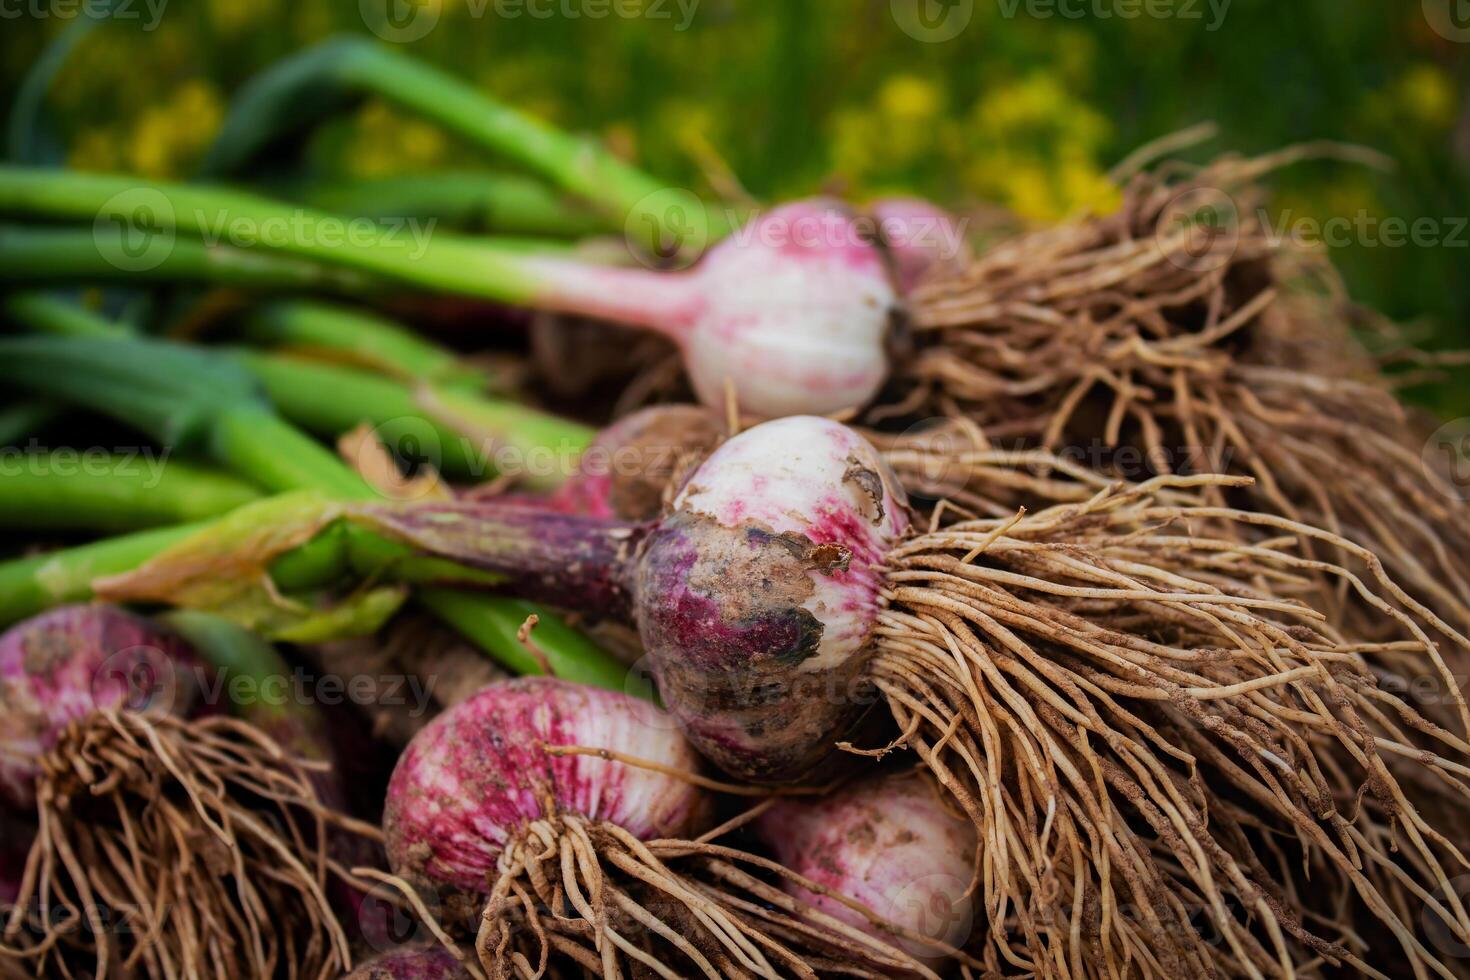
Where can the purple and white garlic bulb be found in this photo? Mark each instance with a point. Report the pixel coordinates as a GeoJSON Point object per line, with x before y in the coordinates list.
{"type": "Point", "coordinates": [889, 843]}
{"type": "Point", "coordinates": [551, 818]}
{"type": "Point", "coordinates": [756, 595]}
{"type": "Point", "coordinates": [758, 592]}
{"type": "Point", "coordinates": [793, 310]}
{"type": "Point", "coordinates": [477, 782]}
{"type": "Point", "coordinates": [72, 662]}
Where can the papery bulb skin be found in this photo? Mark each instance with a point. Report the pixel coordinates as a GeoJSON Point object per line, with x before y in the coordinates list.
{"type": "Point", "coordinates": [67, 663]}
{"type": "Point", "coordinates": [922, 238]}
{"type": "Point", "coordinates": [757, 594]}
{"type": "Point", "coordinates": [889, 843]}
{"type": "Point", "coordinates": [412, 963]}
{"type": "Point", "coordinates": [795, 312]}
{"type": "Point", "coordinates": [478, 775]}
{"type": "Point", "coordinates": [631, 463]}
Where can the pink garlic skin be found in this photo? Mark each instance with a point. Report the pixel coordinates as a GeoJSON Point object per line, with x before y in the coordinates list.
{"type": "Point", "coordinates": [758, 593]}
{"type": "Point", "coordinates": [887, 843]}
{"type": "Point", "coordinates": [412, 963]}
{"type": "Point", "coordinates": [473, 779]}
{"type": "Point", "coordinates": [922, 238]}
{"type": "Point", "coordinates": [71, 661]}
{"type": "Point", "coordinates": [797, 309]}
{"type": "Point", "coordinates": [793, 309]}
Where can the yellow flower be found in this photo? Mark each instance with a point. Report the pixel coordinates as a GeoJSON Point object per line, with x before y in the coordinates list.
{"type": "Point", "coordinates": [854, 137]}
{"type": "Point", "coordinates": [168, 138]}
{"type": "Point", "coordinates": [386, 142]}
{"type": "Point", "coordinates": [909, 97]}
{"type": "Point", "coordinates": [233, 17]}
{"type": "Point", "coordinates": [1084, 187]}
{"type": "Point", "coordinates": [1426, 94]}
{"type": "Point", "coordinates": [95, 150]}
{"type": "Point", "coordinates": [1034, 147]}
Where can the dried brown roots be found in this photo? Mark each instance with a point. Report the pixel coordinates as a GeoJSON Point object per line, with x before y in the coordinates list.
{"type": "Point", "coordinates": [171, 848]}
{"type": "Point", "coordinates": [574, 891]}
{"type": "Point", "coordinates": [1174, 770]}
{"type": "Point", "coordinates": [1177, 329]}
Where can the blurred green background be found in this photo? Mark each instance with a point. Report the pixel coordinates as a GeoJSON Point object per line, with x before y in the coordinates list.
{"type": "Point", "coordinates": [1027, 107]}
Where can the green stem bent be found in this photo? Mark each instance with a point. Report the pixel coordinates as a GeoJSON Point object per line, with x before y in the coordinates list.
{"type": "Point", "coordinates": [342, 69]}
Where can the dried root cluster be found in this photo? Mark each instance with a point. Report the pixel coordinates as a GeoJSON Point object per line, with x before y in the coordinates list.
{"type": "Point", "coordinates": [584, 895]}
{"type": "Point", "coordinates": [1179, 335]}
{"type": "Point", "coordinates": [1176, 769]}
{"type": "Point", "coordinates": [170, 848]}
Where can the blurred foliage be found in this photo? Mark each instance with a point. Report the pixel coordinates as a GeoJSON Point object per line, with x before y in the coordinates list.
{"type": "Point", "coordinates": [1027, 108]}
